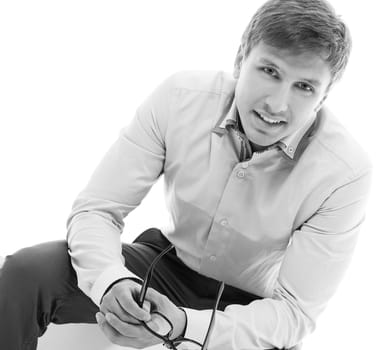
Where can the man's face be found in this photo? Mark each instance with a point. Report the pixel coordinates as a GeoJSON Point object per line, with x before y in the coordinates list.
{"type": "Point", "coordinates": [278, 92]}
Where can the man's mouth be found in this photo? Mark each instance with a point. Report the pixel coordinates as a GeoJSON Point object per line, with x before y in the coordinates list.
{"type": "Point", "coordinates": [268, 120]}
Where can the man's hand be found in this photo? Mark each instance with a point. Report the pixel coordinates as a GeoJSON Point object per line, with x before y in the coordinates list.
{"type": "Point", "coordinates": [120, 315]}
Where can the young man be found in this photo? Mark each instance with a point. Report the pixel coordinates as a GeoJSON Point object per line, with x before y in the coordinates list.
{"type": "Point", "coordinates": [266, 192]}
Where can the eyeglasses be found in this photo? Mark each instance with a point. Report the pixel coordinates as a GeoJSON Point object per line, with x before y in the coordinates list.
{"type": "Point", "coordinates": [166, 334]}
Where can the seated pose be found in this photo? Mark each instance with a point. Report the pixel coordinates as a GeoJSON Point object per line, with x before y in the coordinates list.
{"type": "Point", "coordinates": [266, 193]}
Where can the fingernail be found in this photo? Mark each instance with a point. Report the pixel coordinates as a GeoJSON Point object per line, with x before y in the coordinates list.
{"type": "Point", "coordinates": [97, 317]}
{"type": "Point", "coordinates": [153, 325]}
{"type": "Point", "coordinates": [147, 306]}
{"type": "Point", "coordinates": [146, 309]}
{"type": "Point", "coordinates": [146, 317]}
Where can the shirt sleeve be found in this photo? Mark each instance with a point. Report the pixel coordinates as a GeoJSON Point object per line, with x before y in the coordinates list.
{"type": "Point", "coordinates": [119, 183]}
{"type": "Point", "coordinates": [313, 267]}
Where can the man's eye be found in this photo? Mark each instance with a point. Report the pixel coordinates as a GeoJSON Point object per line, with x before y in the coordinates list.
{"type": "Point", "coordinates": [270, 71]}
{"type": "Point", "coordinates": [305, 87]}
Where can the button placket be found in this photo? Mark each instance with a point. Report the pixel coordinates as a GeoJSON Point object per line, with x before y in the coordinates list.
{"type": "Point", "coordinates": [213, 249]}
{"type": "Point", "coordinates": [224, 222]}
{"type": "Point", "coordinates": [241, 174]}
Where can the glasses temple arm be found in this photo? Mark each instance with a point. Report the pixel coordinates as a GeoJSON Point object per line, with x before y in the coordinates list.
{"type": "Point", "coordinates": [148, 275]}
{"type": "Point", "coordinates": [212, 321]}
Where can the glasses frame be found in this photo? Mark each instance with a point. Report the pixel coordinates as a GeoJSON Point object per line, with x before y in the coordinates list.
{"type": "Point", "coordinates": [167, 342]}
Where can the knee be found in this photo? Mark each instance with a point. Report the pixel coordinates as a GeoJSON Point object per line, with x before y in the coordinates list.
{"type": "Point", "coordinates": [36, 265]}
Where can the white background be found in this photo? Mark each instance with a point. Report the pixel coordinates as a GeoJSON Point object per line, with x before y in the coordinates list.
{"type": "Point", "coordinates": [72, 74]}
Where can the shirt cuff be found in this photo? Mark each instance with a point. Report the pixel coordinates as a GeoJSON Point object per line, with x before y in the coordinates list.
{"type": "Point", "coordinates": [198, 323]}
{"type": "Point", "coordinates": [107, 277]}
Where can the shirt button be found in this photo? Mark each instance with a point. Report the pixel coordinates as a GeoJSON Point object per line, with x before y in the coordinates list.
{"type": "Point", "coordinates": [224, 222]}
{"type": "Point", "coordinates": [212, 258]}
{"type": "Point", "coordinates": [241, 174]}
{"type": "Point", "coordinates": [290, 149]}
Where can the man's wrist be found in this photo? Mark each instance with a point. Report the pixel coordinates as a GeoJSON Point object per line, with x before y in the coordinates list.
{"type": "Point", "coordinates": [183, 325]}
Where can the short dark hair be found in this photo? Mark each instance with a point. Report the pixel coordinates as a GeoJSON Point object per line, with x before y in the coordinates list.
{"type": "Point", "coordinates": [299, 26]}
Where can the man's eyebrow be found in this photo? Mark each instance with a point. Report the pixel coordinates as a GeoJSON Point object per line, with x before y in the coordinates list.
{"type": "Point", "coordinates": [269, 63]}
{"type": "Point", "coordinates": [266, 61]}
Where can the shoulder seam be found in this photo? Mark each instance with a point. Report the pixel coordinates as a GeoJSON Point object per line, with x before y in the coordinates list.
{"type": "Point", "coordinates": [219, 91]}
{"type": "Point", "coordinates": [201, 90]}
{"type": "Point", "coordinates": [355, 172]}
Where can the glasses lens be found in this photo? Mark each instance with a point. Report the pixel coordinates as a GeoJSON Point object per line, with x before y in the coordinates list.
{"type": "Point", "coordinates": [160, 325]}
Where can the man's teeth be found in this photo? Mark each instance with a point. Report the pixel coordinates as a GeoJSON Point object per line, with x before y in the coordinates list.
{"type": "Point", "coordinates": [268, 120]}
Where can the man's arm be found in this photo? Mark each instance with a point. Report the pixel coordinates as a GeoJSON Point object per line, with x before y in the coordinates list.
{"type": "Point", "coordinates": [313, 267]}
{"type": "Point", "coordinates": [117, 186]}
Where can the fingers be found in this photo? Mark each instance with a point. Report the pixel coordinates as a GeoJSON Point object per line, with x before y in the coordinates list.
{"type": "Point", "coordinates": [109, 331]}
{"type": "Point", "coordinates": [112, 334]}
{"type": "Point", "coordinates": [120, 315]}
{"type": "Point", "coordinates": [163, 305]}
{"type": "Point", "coordinates": [124, 293]}
{"type": "Point", "coordinates": [130, 305]}
{"type": "Point", "coordinates": [125, 334]}
{"type": "Point", "coordinates": [120, 301]}
{"type": "Point", "coordinates": [130, 330]}
{"type": "Point", "coordinates": [113, 306]}
{"type": "Point", "coordinates": [158, 301]}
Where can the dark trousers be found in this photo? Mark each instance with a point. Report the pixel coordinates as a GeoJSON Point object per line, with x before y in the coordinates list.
{"type": "Point", "coordinates": [38, 285]}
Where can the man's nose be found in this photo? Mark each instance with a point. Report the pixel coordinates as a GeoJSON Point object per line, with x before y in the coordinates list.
{"type": "Point", "coordinates": [277, 101]}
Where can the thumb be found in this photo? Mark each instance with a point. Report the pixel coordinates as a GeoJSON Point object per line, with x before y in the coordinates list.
{"type": "Point", "coordinates": [155, 299]}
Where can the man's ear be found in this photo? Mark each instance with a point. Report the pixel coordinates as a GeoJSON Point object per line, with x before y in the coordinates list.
{"type": "Point", "coordinates": [238, 62]}
{"type": "Point", "coordinates": [326, 93]}
{"type": "Point", "coordinates": [318, 107]}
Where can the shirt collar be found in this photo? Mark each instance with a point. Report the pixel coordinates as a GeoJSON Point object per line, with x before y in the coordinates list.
{"type": "Point", "coordinates": [291, 145]}
{"type": "Point", "coordinates": [229, 120]}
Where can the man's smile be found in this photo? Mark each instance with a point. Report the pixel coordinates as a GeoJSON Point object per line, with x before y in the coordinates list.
{"type": "Point", "coordinates": [265, 123]}
{"type": "Point", "coordinates": [268, 119]}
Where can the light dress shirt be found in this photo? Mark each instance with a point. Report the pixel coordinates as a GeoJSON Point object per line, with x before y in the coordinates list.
{"type": "Point", "coordinates": [281, 224]}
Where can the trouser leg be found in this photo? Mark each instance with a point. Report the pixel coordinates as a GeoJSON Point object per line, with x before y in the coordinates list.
{"type": "Point", "coordinates": [182, 285]}
{"type": "Point", "coordinates": [37, 286]}
{"type": "Point", "coordinates": [178, 282]}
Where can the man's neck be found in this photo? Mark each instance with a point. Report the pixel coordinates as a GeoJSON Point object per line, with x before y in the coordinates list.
{"type": "Point", "coordinates": [254, 147]}
{"type": "Point", "coordinates": [257, 148]}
